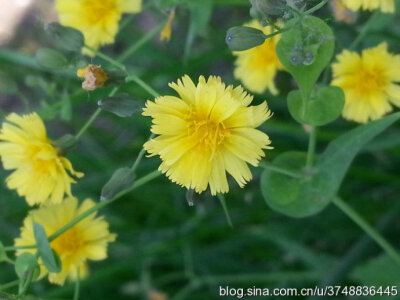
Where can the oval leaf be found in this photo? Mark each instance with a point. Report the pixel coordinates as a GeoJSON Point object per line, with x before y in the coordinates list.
{"type": "Point", "coordinates": [303, 197]}
{"type": "Point", "coordinates": [67, 38]}
{"type": "Point", "coordinates": [323, 107]}
{"type": "Point", "coordinates": [50, 58]}
{"type": "Point", "coordinates": [305, 50]}
{"type": "Point", "coordinates": [25, 264]}
{"type": "Point", "coordinates": [121, 180]}
{"type": "Point", "coordinates": [45, 252]}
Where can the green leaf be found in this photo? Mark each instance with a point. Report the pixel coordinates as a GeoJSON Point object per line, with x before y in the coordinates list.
{"type": "Point", "coordinates": [200, 15]}
{"type": "Point", "coordinates": [336, 159]}
{"type": "Point", "coordinates": [25, 264]}
{"type": "Point", "coordinates": [121, 106]}
{"type": "Point", "coordinates": [7, 85]}
{"type": "Point", "coordinates": [121, 180]}
{"type": "Point", "coordinates": [46, 253]}
{"type": "Point", "coordinates": [67, 38]}
{"type": "Point", "coordinates": [323, 107]}
{"type": "Point", "coordinates": [378, 271]}
{"type": "Point", "coordinates": [242, 38]}
{"type": "Point", "coordinates": [3, 254]}
{"type": "Point", "coordinates": [303, 197]}
{"type": "Point", "coordinates": [51, 59]}
{"type": "Point", "coordinates": [305, 50]}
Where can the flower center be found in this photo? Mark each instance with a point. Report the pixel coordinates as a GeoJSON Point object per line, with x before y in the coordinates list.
{"type": "Point", "coordinates": [264, 55]}
{"type": "Point", "coordinates": [67, 243]}
{"type": "Point", "coordinates": [43, 158]}
{"type": "Point", "coordinates": [98, 10]}
{"type": "Point", "coordinates": [208, 133]}
{"type": "Point", "coordinates": [370, 81]}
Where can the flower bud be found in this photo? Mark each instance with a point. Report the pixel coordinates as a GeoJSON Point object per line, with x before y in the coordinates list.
{"type": "Point", "coordinates": [267, 8]}
{"type": "Point", "coordinates": [67, 38]}
{"type": "Point", "coordinates": [242, 38]}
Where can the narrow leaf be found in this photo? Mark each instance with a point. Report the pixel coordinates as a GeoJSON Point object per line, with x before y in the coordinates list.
{"type": "Point", "coordinates": [67, 38]}
{"type": "Point", "coordinates": [51, 59]}
{"type": "Point", "coordinates": [46, 253]}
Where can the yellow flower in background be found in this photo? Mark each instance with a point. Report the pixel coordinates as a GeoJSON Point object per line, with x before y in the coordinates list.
{"type": "Point", "coordinates": [386, 6]}
{"type": "Point", "coordinates": [96, 19]}
{"type": "Point", "coordinates": [40, 173]}
{"type": "Point", "coordinates": [165, 34]}
{"type": "Point", "coordinates": [87, 240]}
{"type": "Point", "coordinates": [256, 68]}
{"type": "Point", "coordinates": [208, 130]}
{"type": "Point", "coordinates": [342, 13]}
{"type": "Point", "coordinates": [368, 81]}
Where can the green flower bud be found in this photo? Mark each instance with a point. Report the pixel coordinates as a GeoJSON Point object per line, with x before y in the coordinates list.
{"type": "Point", "coordinates": [267, 8]}
{"type": "Point", "coordinates": [242, 38]}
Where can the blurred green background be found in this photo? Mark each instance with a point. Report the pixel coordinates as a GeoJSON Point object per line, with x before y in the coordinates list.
{"type": "Point", "coordinates": [166, 248]}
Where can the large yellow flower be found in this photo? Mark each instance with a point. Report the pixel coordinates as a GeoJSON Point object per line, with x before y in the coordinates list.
{"type": "Point", "coordinates": [256, 68]}
{"type": "Point", "coordinates": [368, 81]}
{"type": "Point", "coordinates": [87, 240]}
{"type": "Point", "coordinates": [96, 19]}
{"type": "Point", "coordinates": [40, 173]}
{"type": "Point", "coordinates": [386, 6]}
{"type": "Point", "coordinates": [208, 131]}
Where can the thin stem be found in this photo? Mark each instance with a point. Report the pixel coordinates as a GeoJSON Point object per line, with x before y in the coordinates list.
{"type": "Point", "coordinates": [141, 181]}
{"type": "Point", "coordinates": [364, 30]}
{"type": "Point", "coordinates": [140, 155]}
{"type": "Point", "coordinates": [281, 170]}
{"type": "Point", "coordinates": [142, 41]}
{"type": "Point", "coordinates": [9, 285]}
{"type": "Point", "coordinates": [316, 7]}
{"type": "Point", "coordinates": [144, 85]}
{"type": "Point", "coordinates": [106, 58]}
{"type": "Point", "coordinates": [72, 223]}
{"type": "Point", "coordinates": [93, 117]}
{"type": "Point", "coordinates": [221, 198]}
{"type": "Point", "coordinates": [77, 285]}
{"type": "Point", "coordinates": [373, 234]}
{"type": "Point", "coordinates": [311, 148]}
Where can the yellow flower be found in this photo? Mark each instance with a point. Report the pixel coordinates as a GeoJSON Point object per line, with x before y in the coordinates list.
{"type": "Point", "coordinates": [386, 6]}
{"type": "Point", "coordinates": [256, 68]}
{"type": "Point", "coordinates": [342, 13]}
{"type": "Point", "coordinates": [208, 131]}
{"type": "Point", "coordinates": [166, 32]}
{"type": "Point", "coordinates": [87, 240]}
{"type": "Point", "coordinates": [96, 19]}
{"type": "Point", "coordinates": [94, 76]}
{"type": "Point", "coordinates": [41, 174]}
{"type": "Point", "coordinates": [368, 82]}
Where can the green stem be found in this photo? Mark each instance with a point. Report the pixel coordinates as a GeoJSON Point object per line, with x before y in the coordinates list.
{"type": "Point", "coordinates": [141, 181]}
{"type": "Point", "coordinates": [138, 183]}
{"type": "Point", "coordinates": [93, 117]}
{"type": "Point", "coordinates": [9, 285]}
{"type": "Point", "coordinates": [142, 41]}
{"type": "Point", "coordinates": [364, 30]}
{"type": "Point", "coordinates": [311, 148]}
{"type": "Point", "coordinates": [221, 198]}
{"type": "Point", "coordinates": [373, 234]}
{"type": "Point", "coordinates": [277, 169]}
{"type": "Point", "coordinates": [77, 286]}
{"type": "Point", "coordinates": [316, 7]}
{"type": "Point", "coordinates": [140, 155]}
{"type": "Point", "coordinates": [106, 58]}
{"type": "Point", "coordinates": [144, 85]}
